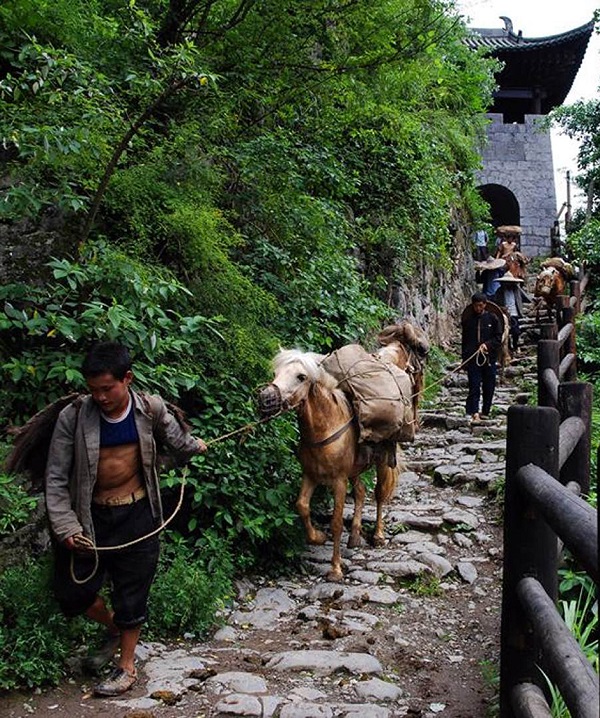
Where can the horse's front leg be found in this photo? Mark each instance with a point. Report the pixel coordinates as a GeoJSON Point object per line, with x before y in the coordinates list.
{"type": "Point", "coordinates": [339, 498]}
{"type": "Point", "coordinates": [307, 488]}
{"type": "Point", "coordinates": [359, 491]}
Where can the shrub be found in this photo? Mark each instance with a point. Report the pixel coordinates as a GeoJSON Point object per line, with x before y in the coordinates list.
{"type": "Point", "coordinates": [35, 639]}
{"type": "Point", "coordinates": [191, 585]}
{"type": "Point", "coordinates": [16, 506]}
{"type": "Point", "coordinates": [104, 295]}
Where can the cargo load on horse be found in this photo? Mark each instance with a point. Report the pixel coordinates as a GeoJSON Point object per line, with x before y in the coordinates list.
{"type": "Point", "coordinates": [406, 346]}
{"type": "Point", "coordinates": [552, 281]}
{"type": "Point", "coordinates": [381, 393]}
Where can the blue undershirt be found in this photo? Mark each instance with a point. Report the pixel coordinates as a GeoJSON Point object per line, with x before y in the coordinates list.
{"type": "Point", "coordinates": [116, 432]}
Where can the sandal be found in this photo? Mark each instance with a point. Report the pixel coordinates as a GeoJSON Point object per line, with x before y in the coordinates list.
{"type": "Point", "coordinates": [117, 683]}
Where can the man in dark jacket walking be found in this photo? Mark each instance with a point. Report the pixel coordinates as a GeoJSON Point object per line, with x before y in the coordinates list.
{"type": "Point", "coordinates": [481, 340]}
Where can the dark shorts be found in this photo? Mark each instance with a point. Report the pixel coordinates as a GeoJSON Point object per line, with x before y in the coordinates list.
{"type": "Point", "coordinates": [130, 570]}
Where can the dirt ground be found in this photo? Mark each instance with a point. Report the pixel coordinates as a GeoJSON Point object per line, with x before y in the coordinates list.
{"type": "Point", "coordinates": [445, 661]}
{"type": "Point", "coordinates": [440, 650]}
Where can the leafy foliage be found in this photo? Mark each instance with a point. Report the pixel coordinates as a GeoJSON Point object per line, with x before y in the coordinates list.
{"type": "Point", "coordinates": [16, 505]}
{"type": "Point", "coordinates": [35, 639]}
{"type": "Point", "coordinates": [340, 131]}
{"type": "Point", "coordinates": [103, 296]}
{"type": "Point", "coordinates": [190, 587]}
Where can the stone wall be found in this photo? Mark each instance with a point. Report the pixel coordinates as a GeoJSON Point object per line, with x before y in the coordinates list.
{"type": "Point", "coordinates": [519, 157]}
{"type": "Point", "coordinates": [435, 299]}
{"type": "Point", "coordinates": [26, 247]}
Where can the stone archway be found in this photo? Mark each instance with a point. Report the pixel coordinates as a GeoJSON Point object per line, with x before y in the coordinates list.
{"type": "Point", "coordinates": [504, 206]}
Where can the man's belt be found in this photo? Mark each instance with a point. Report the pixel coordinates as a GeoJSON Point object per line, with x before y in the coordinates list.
{"type": "Point", "coordinates": [130, 498]}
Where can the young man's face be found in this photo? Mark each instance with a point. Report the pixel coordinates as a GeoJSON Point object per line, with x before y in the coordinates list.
{"type": "Point", "coordinates": [111, 394]}
{"type": "Point", "coordinates": [478, 307]}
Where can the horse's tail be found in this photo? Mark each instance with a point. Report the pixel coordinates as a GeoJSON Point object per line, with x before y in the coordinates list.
{"type": "Point", "coordinates": [387, 475]}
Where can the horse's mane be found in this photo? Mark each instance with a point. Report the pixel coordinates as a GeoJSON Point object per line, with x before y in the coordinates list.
{"type": "Point", "coordinates": [311, 363]}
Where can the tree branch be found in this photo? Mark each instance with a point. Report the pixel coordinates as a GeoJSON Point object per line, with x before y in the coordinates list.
{"type": "Point", "coordinates": [121, 147]}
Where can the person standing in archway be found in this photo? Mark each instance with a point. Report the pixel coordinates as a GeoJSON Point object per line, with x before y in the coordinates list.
{"type": "Point", "coordinates": [480, 239]}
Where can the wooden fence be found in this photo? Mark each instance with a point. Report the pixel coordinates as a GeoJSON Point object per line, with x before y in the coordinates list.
{"type": "Point", "coordinates": [547, 467]}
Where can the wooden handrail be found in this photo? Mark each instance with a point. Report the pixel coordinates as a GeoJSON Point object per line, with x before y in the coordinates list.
{"type": "Point", "coordinates": [571, 431]}
{"type": "Point", "coordinates": [565, 365]}
{"type": "Point", "coordinates": [565, 333]}
{"type": "Point", "coordinates": [528, 701]}
{"type": "Point", "coordinates": [563, 658]}
{"type": "Point", "coordinates": [551, 383]}
{"type": "Point", "coordinates": [572, 518]}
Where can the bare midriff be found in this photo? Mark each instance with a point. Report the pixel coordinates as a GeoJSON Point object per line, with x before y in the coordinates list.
{"type": "Point", "coordinates": [118, 472]}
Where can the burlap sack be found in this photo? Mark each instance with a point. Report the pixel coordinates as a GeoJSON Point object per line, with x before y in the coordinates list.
{"type": "Point", "coordinates": [380, 393]}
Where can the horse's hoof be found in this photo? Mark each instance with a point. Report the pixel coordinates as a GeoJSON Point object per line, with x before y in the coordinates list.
{"type": "Point", "coordinates": [355, 541]}
{"type": "Point", "coordinates": [378, 541]}
{"type": "Point", "coordinates": [335, 575]}
{"type": "Point", "coordinates": [317, 539]}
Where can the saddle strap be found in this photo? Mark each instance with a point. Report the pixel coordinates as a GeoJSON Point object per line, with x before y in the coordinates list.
{"type": "Point", "coordinates": [334, 437]}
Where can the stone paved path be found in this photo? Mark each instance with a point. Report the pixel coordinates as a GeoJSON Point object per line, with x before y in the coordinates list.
{"type": "Point", "coordinates": [412, 630]}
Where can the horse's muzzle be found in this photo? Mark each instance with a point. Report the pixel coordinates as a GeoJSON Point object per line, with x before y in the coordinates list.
{"type": "Point", "coordinates": [269, 401]}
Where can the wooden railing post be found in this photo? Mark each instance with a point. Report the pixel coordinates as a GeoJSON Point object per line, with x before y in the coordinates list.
{"type": "Point", "coordinates": [575, 399]}
{"type": "Point", "coordinates": [568, 314]}
{"type": "Point", "coordinates": [548, 357]}
{"type": "Point", "coordinates": [530, 546]}
{"type": "Point", "coordinates": [562, 302]}
{"type": "Point", "coordinates": [548, 330]}
{"type": "Point", "coordinates": [576, 295]}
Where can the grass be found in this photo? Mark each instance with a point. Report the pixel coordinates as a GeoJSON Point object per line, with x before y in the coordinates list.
{"type": "Point", "coordinates": [435, 373]}
{"type": "Point", "coordinates": [425, 584]}
{"type": "Point", "coordinates": [490, 673]}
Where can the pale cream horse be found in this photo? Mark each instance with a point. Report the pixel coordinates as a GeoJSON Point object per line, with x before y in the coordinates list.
{"type": "Point", "coordinates": [329, 450]}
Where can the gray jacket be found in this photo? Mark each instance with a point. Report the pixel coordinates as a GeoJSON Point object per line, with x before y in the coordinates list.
{"type": "Point", "coordinates": [75, 449]}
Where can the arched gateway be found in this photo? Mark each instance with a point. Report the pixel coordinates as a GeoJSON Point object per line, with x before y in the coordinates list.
{"type": "Point", "coordinates": [517, 178]}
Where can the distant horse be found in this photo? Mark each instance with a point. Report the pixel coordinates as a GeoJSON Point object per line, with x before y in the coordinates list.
{"type": "Point", "coordinates": [329, 451]}
{"type": "Point", "coordinates": [551, 282]}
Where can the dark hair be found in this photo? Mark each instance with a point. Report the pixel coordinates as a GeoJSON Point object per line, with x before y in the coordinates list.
{"type": "Point", "coordinates": [479, 297]}
{"type": "Point", "coordinates": [107, 358]}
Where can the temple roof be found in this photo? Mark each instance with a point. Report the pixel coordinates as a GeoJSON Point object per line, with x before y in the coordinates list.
{"type": "Point", "coordinates": [538, 72]}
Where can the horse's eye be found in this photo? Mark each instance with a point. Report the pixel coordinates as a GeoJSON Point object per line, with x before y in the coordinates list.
{"type": "Point", "coordinates": [302, 377]}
